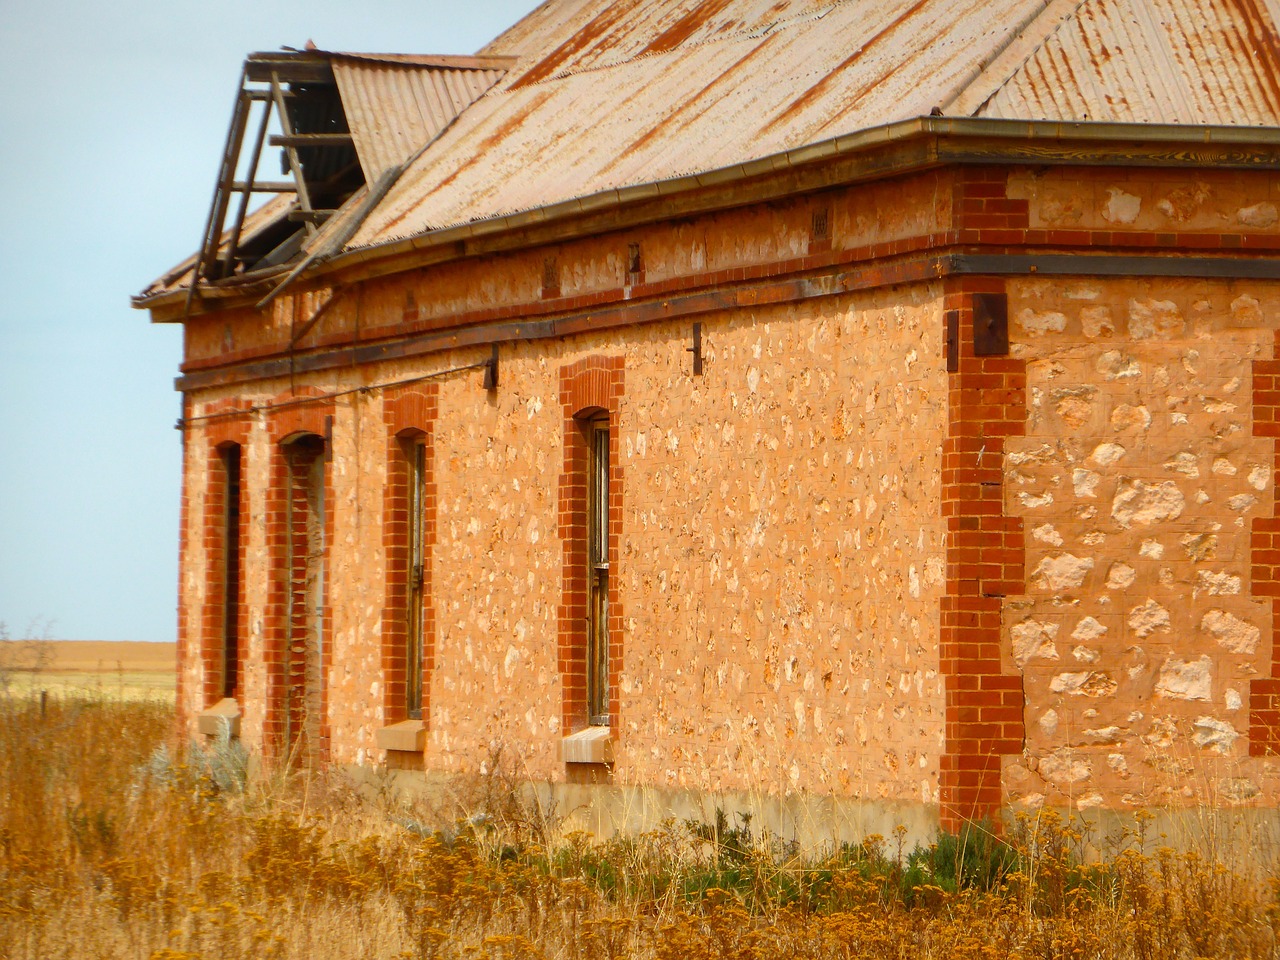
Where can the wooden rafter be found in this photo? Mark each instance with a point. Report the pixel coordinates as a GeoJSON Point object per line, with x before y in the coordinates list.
{"type": "Point", "coordinates": [295, 165]}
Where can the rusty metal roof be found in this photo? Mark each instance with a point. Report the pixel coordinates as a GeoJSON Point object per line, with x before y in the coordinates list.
{"type": "Point", "coordinates": [1151, 61]}
{"type": "Point", "coordinates": [394, 108]}
{"type": "Point", "coordinates": [697, 106]}
{"type": "Point", "coordinates": [611, 95]}
{"type": "Point", "coordinates": [608, 95]}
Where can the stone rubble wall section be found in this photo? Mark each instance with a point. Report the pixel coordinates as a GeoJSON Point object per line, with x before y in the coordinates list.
{"type": "Point", "coordinates": [1140, 481]}
{"type": "Point", "coordinates": [780, 559]}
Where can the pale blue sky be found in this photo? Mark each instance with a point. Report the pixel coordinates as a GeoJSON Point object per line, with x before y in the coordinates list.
{"type": "Point", "coordinates": [112, 120]}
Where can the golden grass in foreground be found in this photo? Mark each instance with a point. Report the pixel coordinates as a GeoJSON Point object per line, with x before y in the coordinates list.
{"type": "Point", "coordinates": [108, 851]}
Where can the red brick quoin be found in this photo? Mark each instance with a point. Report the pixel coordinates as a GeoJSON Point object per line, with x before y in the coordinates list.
{"type": "Point", "coordinates": [285, 617]}
{"type": "Point", "coordinates": [1264, 692]}
{"type": "Point", "coordinates": [588, 387]}
{"type": "Point", "coordinates": [228, 428]}
{"type": "Point", "coordinates": [409, 414]}
{"type": "Point", "coordinates": [985, 556]}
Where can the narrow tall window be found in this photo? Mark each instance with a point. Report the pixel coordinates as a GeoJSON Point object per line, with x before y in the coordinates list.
{"type": "Point", "coordinates": [598, 575]}
{"type": "Point", "coordinates": [416, 452]}
{"type": "Point", "coordinates": [230, 455]}
{"type": "Point", "coordinates": [304, 557]}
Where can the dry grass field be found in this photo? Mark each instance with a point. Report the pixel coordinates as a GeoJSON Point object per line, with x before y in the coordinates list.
{"type": "Point", "coordinates": [118, 842]}
{"type": "Point", "coordinates": [125, 670]}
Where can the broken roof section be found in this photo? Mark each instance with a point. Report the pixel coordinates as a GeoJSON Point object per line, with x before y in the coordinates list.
{"type": "Point", "coordinates": [585, 97]}
{"type": "Point", "coordinates": [343, 122]}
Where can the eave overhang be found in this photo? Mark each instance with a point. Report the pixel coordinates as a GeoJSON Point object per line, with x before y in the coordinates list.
{"type": "Point", "coordinates": [874, 153]}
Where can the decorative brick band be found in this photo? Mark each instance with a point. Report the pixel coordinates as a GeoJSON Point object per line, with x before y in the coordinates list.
{"type": "Point", "coordinates": [985, 554]}
{"type": "Point", "coordinates": [285, 617]}
{"type": "Point", "coordinates": [220, 435]}
{"type": "Point", "coordinates": [591, 386]}
{"type": "Point", "coordinates": [1264, 692]}
{"type": "Point", "coordinates": [410, 415]}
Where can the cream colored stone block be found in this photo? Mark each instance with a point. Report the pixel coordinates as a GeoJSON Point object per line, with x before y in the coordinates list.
{"type": "Point", "coordinates": [592, 745]}
{"type": "Point", "coordinates": [222, 717]}
{"type": "Point", "coordinates": [408, 736]}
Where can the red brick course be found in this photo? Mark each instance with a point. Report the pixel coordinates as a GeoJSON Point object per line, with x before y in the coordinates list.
{"type": "Point", "coordinates": [219, 433]}
{"type": "Point", "coordinates": [284, 660]}
{"type": "Point", "coordinates": [985, 558]}
{"type": "Point", "coordinates": [1264, 692]}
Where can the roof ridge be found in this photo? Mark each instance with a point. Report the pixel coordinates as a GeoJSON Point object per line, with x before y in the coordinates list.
{"type": "Point", "coordinates": [961, 102]}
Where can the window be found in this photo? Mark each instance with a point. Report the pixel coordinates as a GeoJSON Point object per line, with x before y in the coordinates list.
{"type": "Point", "coordinates": [415, 574]}
{"type": "Point", "coordinates": [305, 598]}
{"type": "Point", "coordinates": [230, 456]}
{"type": "Point", "coordinates": [598, 575]}
{"type": "Point", "coordinates": [590, 637]}
{"type": "Point", "coordinates": [408, 537]}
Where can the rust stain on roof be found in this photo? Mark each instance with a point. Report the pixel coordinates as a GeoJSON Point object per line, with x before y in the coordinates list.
{"type": "Point", "coordinates": [1152, 61]}
{"type": "Point", "coordinates": [1262, 39]}
{"type": "Point", "coordinates": [823, 85]}
{"type": "Point", "coordinates": [695, 106]}
{"type": "Point", "coordinates": [574, 44]}
{"type": "Point", "coordinates": [686, 26]}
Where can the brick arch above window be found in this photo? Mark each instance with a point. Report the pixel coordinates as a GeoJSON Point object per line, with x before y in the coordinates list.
{"type": "Point", "coordinates": [230, 424]}
{"type": "Point", "coordinates": [591, 384]}
{"type": "Point", "coordinates": [303, 410]}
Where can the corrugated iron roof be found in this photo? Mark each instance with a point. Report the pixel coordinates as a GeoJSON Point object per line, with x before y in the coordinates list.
{"type": "Point", "coordinates": [1152, 61]}
{"type": "Point", "coordinates": [394, 109]}
{"type": "Point", "coordinates": [564, 36]}
{"type": "Point", "coordinates": [614, 94]}
{"type": "Point", "coordinates": [609, 95]}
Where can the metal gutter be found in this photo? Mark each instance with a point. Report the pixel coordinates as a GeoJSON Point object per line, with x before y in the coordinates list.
{"type": "Point", "coordinates": [1013, 130]}
{"type": "Point", "coordinates": [1007, 132]}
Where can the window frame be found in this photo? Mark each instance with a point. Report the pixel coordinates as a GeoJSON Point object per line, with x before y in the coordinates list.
{"type": "Point", "coordinates": [599, 518]}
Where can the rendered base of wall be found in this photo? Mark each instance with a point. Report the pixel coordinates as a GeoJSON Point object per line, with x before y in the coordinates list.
{"type": "Point", "coordinates": [816, 823]}
{"type": "Point", "coordinates": [813, 822]}
{"type": "Point", "coordinates": [1243, 836]}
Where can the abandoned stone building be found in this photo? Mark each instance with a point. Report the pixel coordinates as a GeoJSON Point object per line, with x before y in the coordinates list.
{"type": "Point", "coordinates": [863, 405]}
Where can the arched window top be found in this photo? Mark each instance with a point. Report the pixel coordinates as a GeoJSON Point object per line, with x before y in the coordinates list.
{"type": "Point", "coordinates": [304, 440]}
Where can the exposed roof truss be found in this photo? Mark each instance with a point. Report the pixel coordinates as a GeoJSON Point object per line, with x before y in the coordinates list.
{"type": "Point", "coordinates": [290, 101]}
{"type": "Point", "coordinates": [340, 121]}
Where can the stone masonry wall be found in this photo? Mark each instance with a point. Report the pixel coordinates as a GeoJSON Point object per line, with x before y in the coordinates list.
{"type": "Point", "coordinates": [781, 558]}
{"type": "Point", "coordinates": [1139, 481]}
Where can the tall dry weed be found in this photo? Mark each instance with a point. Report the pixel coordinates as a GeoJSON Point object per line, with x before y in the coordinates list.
{"type": "Point", "coordinates": [109, 848]}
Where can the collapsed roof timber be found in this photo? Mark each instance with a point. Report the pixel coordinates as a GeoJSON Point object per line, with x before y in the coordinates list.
{"type": "Point", "coordinates": [347, 122]}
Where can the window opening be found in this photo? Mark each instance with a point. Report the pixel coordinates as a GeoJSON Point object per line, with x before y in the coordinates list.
{"type": "Point", "coordinates": [304, 546]}
{"type": "Point", "coordinates": [598, 576]}
{"type": "Point", "coordinates": [417, 455]}
{"type": "Point", "coordinates": [231, 458]}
